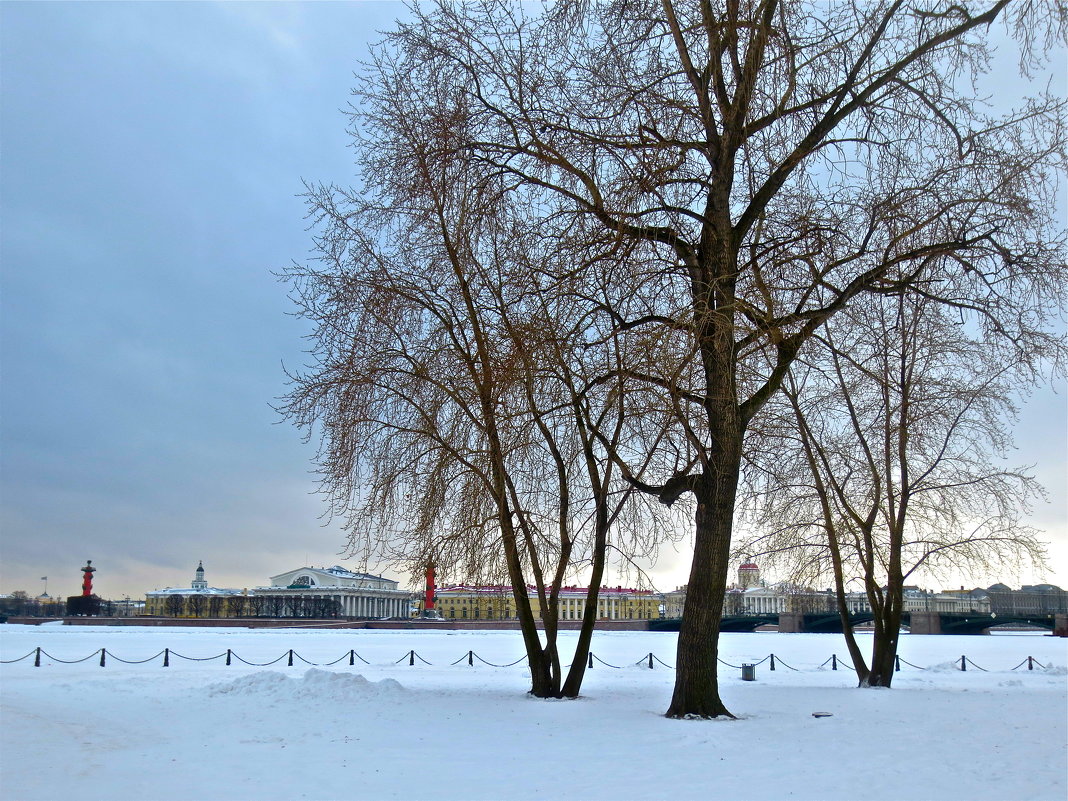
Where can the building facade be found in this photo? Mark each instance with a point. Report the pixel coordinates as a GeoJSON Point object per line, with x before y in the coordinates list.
{"type": "Point", "coordinates": [1030, 599]}
{"type": "Point", "coordinates": [496, 602]}
{"type": "Point", "coordinates": [196, 600]}
{"type": "Point", "coordinates": [309, 592]}
{"type": "Point", "coordinates": [334, 592]}
{"type": "Point", "coordinates": [775, 599]}
{"type": "Point", "coordinates": [674, 601]}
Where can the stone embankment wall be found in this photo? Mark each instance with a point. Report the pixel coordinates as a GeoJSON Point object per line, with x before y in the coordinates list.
{"type": "Point", "coordinates": [290, 623]}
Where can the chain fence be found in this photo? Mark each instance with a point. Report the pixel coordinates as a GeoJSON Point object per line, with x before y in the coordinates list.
{"type": "Point", "coordinates": [649, 661]}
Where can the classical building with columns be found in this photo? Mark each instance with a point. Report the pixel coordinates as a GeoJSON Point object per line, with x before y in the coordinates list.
{"type": "Point", "coordinates": [358, 595]}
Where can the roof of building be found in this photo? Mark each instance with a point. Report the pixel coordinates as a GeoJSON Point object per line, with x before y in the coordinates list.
{"type": "Point", "coordinates": [1040, 588]}
{"type": "Point", "coordinates": [337, 570]}
{"type": "Point", "coordinates": [194, 591]}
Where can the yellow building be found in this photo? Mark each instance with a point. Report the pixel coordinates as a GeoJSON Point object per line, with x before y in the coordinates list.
{"type": "Point", "coordinates": [196, 600]}
{"type": "Point", "coordinates": [495, 602]}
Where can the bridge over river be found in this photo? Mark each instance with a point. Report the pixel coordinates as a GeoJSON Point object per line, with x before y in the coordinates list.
{"type": "Point", "coordinates": [917, 622]}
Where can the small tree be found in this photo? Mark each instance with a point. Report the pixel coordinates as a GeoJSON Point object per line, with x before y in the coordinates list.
{"type": "Point", "coordinates": [256, 606]}
{"type": "Point", "coordinates": [274, 606]}
{"type": "Point", "coordinates": [237, 605]}
{"type": "Point", "coordinates": [896, 417]}
{"type": "Point", "coordinates": [197, 604]}
{"type": "Point", "coordinates": [174, 605]}
{"type": "Point", "coordinates": [18, 604]}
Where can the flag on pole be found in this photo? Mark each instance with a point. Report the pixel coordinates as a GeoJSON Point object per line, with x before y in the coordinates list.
{"type": "Point", "coordinates": [44, 578]}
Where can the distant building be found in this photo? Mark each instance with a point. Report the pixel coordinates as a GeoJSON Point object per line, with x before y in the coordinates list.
{"type": "Point", "coordinates": [496, 602]}
{"type": "Point", "coordinates": [198, 578]}
{"type": "Point", "coordinates": [333, 592]}
{"type": "Point", "coordinates": [748, 575]}
{"type": "Point", "coordinates": [751, 596]}
{"type": "Point", "coordinates": [196, 600]}
{"type": "Point", "coordinates": [674, 601]}
{"type": "Point", "coordinates": [1031, 599]}
{"type": "Point", "coordinates": [777, 598]}
{"type": "Point", "coordinates": [310, 592]}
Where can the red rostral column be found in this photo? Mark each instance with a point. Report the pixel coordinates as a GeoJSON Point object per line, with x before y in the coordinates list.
{"type": "Point", "coordinates": [87, 578]}
{"type": "Point", "coordinates": [428, 602]}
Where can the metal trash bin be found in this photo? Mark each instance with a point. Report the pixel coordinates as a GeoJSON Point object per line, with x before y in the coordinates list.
{"type": "Point", "coordinates": [748, 672]}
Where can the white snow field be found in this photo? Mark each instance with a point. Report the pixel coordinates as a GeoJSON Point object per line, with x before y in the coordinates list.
{"type": "Point", "coordinates": [388, 730]}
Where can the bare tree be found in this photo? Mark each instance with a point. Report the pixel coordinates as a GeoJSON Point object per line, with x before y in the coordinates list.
{"type": "Point", "coordinates": [273, 606]}
{"type": "Point", "coordinates": [197, 604]}
{"type": "Point", "coordinates": [256, 605]}
{"type": "Point", "coordinates": [768, 161]}
{"type": "Point", "coordinates": [175, 605]}
{"type": "Point", "coordinates": [237, 605]}
{"type": "Point", "coordinates": [460, 422]}
{"type": "Point", "coordinates": [896, 418]}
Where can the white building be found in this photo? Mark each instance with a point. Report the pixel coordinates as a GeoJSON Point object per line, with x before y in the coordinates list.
{"type": "Point", "coordinates": [356, 594]}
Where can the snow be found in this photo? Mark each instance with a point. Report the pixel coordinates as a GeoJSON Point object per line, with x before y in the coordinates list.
{"type": "Point", "coordinates": [387, 730]}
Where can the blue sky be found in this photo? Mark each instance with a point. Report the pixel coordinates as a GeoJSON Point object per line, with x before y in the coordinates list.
{"type": "Point", "coordinates": [152, 154]}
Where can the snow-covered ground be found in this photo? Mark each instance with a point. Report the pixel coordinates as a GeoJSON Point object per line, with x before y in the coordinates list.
{"type": "Point", "coordinates": [388, 730]}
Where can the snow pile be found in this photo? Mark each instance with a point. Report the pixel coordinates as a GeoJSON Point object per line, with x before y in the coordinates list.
{"type": "Point", "coordinates": [945, 667]}
{"type": "Point", "coordinates": [315, 686]}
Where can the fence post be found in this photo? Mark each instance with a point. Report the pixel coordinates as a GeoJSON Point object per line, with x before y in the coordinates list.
{"type": "Point", "coordinates": [590, 655]}
{"type": "Point", "coordinates": [897, 663]}
{"type": "Point", "coordinates": [1030, 663]}
{"type": "Point", "coordinates": [772, 662]}
{"type": "Point", "coordinates": [291, 657]}
{"type": "Point", "coordinates": [963, 664]}
{"type": "Point", "coordinates": [227, 656]}
{"type": "Point", "coordinates": [411, 658]}
{"type": "Point", "coordinates": [352, 656]}
{"type": "Point", "coordinates": [650, 660]}
{"type": "Point", "coordinates": [471, 657]}
{"type": "Point", "coordinates": [37, 659]}
{"type": "Point", "coordinates": [166, 657]}
{"type": "Point", "coordinates": [834, 662]}
{"type": "Point", "coordinates": [103, 653]}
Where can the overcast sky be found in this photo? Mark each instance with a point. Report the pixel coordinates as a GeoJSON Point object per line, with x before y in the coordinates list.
{"type": "Point", "coordinates": [152, 158]}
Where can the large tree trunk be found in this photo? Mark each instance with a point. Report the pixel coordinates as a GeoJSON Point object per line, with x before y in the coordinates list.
{"type": "Point", "coordinates": [696, 681]}
{"type": "Point", "coordinates": [884, 644]}
{"type": "Point", "coordinates": [541, 678]}
{"type": "Point", "coordinates": [550, 618]}
{"type": "Point", "coordinates": [715, 491]}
